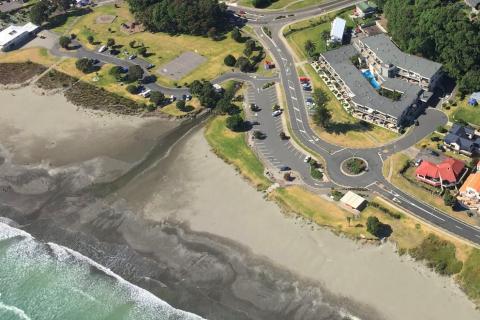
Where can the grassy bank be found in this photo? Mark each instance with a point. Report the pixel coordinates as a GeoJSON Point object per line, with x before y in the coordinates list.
{"type": "Point", "coordinates": [460, 110]}
{"type": "Point", "coordinates": [232, 147]}
{"type": "Point", "coordinates": [36, 55]}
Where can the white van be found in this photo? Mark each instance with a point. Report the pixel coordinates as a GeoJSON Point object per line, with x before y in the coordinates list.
{"type": "Point", "coordinates": [102, 49]}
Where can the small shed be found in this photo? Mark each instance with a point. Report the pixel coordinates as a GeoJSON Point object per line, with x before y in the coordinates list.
{"type": "Point", "coordinates": [354, 201]}
{"type": "Point", "coordinates": [338, 29]}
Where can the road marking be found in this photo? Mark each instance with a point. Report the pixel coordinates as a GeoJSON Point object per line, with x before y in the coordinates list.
{"type": "Point", "coordinates": [291, 88]}
{"type": "Point", "coordinates": [294, 98]}
{"type": "Point", "coordinates": [459, 227]}
{"type": "Point", "coordinates": [299, 120]}
{"type": "Point", "coordinates": [296, 109]}
{"type": "Point", "coordinates": [371, 184]}
{"type": "Point", "coordinates": [338, 151]}
{"type": "Point", "coordinates": [302, 131]}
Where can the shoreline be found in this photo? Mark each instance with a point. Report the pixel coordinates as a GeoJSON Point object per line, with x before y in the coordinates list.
{"type": "Point", "coordinates": [224, 249]}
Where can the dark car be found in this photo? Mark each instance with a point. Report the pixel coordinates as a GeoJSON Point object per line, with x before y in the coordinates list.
{"type": "Point", "coordinates": [150, 66]}
{"type": "Point", "coordinates": [434, 153]}
{"type": "Point", "coordinates": [285, 168]}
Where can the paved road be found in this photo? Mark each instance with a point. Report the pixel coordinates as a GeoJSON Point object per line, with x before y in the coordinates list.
{"type": "Point", "coordinates": [334, 155]}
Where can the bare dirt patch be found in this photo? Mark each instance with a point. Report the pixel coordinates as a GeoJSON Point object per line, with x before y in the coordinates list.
{"type": "Point", "coordinates": [105, 19]}
{"type": "Point", "coordinates": [17, 73]}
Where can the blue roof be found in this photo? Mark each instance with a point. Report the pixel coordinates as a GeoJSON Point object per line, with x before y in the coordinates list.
{"type": "Point", "coordinates": [476, 96]}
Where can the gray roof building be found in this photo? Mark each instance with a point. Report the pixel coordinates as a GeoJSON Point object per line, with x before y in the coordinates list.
{"type": "Point", "coordinates": [389, 53]}
{"type": "Point", "coordinates": [364, 93]}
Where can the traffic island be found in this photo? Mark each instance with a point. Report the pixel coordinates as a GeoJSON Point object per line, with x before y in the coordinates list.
{"type": "Point", "coordinates": [354, 166]}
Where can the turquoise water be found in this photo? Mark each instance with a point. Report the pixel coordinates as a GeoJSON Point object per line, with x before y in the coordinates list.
{"type": "Point", "coordinates": [371, 78]}
{"type": "Point", "coordinates": [46, 281]}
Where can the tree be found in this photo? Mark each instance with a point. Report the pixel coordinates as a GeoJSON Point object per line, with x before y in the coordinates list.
{"type": "Point", "coordinates": [261, 3]}
{"type": "Point", "coordinates": [320, 98]}
{"type": "Point", "coordinates": [212, 33]}
{"type": "Point", "coordinates": [470, 82]}
{"type": "Point", "coordinates": [39, 12]}
{"type": "Point", "coordinates": [142, 51]}
{"type": "Point", "coordinates": [224, 106]}
{"type": "Point", "coordinates": [237, 35]}
{"type": "Point", "coordinates": [243, 64]}
{"type": "Point", "coordinates": [349, 219]}
{"type": "Point", "coordinates": [110, 42]}
{"type": "Point", "coordinates": [251, 45]}
{"type": "Point", "coordinates": [449, 199]}
{"type": "Point", "coordinates": [134, 73]}
{"type": "Point", "coordinates": [90, 39]}
{"type": "Point", "coordinates": [310, 47]}
{"type": "Point", "coordinates": [64, 41]}
{"type": "Point", "coordinates": [157, 98]}
{"type": "Point", "coordinates": [132, 89]}
{"type": "Point", "coordinates": [132, 44]}
{"type": "Point", "coordinates": [322, 116]}
{"type": "Point", "coordinates": [230, 60]}
{"type": "Point", "coordinates": [181, 17]}
{"type": "Point", "coordinates": [116, 71]}
{"type": "Point", "coordinates": [181, 105]}
{"type": "Point", "coordinates": [374, 226]}
{"type": "Point", "coordinates": [235, 122]}
{"type": "Point", "coordinates": [247, 51]}
{"type": "Point", "coordinates": [85, 65]}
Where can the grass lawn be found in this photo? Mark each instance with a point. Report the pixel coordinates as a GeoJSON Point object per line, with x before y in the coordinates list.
{"type": "Point", "coordinates": [312, 30]}
{"type": "Point", "coordinates": [162, 47]}
{"type": "Point", "coordinates": [287, 4]}
{"type": "Point", "coordinates": [463, 111]}
{"type": "Point", "coordinates": [36, 55]}
{"type": "Point", "coordinates": [470, 275]}
{"type": "Point", "coordinates": [232, 147]}
{"type": "Point", "coordinates": [395, 163]}
{"type": "Point", "coordinates": [350, 131]}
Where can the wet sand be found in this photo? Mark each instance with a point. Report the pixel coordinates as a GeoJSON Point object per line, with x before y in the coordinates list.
{"type": "Point", "coordinates": [184, 225]}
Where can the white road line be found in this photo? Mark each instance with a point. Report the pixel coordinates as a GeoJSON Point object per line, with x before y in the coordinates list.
{"type": "Point", "coordinates": [302, 131]}
{"type": "Point", "coordinates": [459, 227]}
{"type": "Point", "coordinates": [296, 109]}
{"type": "Point", "coordinates": [291, 88]}
{"type": "Point", "coordinates": [294, 98]}
{"type": "Point", "coordinates": [418, 207]}
{"type": "Point", "coordinates": [371, 184]}
{"type": "Point", "coordinates": [299, 120]}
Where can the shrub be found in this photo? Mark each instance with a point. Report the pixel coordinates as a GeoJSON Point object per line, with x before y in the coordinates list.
{"type": "Point", "coordinates": [135, 73]}
{"type": "Point", "coordinates": [336, 195]}
{"type": "Point", "coordinates": [230, 60]}
{"type": "Point", "coordinates": [142, 51]}
{"type": "Point", "coordinates": [85, 65]}
{"type": "Point", "coordinates": [439, 255]}
{"type": "Point", "coordinates": [64, 42]}
{"type": "Point", "coordinates": [392, 214]}
{"type": "Point", "coordinates": [181, 105]}
{"type": "Point", "coordinates": [157, 98]}
{"type": "Point", "coordinates": [133, 89]}
{"type": "Point", "coordinates": [235, 122]}
{"type": "Point", "coordinates": [449, 199]}
{"type": "Point", "coordinates": [377, 228]}
{"type": "Point", "coordinates": [90, 39]}
{"type": "Point", "coordinates": [151, 107]}
{"type": "Point", "coordinates": [110, 42]}
{"type": "Point", "coordinates": [261, 3]}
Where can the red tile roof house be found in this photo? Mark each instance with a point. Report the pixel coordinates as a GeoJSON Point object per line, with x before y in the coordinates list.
{"type": "Point", "coordinates": [446, 174]}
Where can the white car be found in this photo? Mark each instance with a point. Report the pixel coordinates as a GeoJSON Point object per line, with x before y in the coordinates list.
{"type": "Point", "coordinates": [145, 93]}
{"type": "Point", "coordinates": [276, 113]}
{"type": "Point", "coordinates": [307, 159]}
{"type": "Point", "coordinates": [102, 49]}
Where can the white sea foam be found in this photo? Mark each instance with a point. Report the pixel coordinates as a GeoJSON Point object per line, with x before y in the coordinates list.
{"type": "Point", "coordinates": [14, 310]}
{"type": "Point", "coordinates": [7, 232]}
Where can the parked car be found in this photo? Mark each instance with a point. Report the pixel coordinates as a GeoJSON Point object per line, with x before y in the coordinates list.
{"type": "Point", "coordinates": [276, 113]}
{"type": "Point", "coordinates": [307, 159]}
{"type": "Point", "coordinates": [150, 66]}
{"type": "Point", "coordinates": [172, 98]}
{"type": "Point", "coordinates": [103, 49]}
{"type": "Point", "coordinates": [145, 93]}
{"type": "Point", "coordinates": [285, 168]}
{"type": "Point", "coordinates": [434, 153]}
{"type": "Point", "coordinates": [418, 162]}
{"type": "Point", "coordinates": [283, 136]}
{"type": "Point", "coordinates": [132, 57]}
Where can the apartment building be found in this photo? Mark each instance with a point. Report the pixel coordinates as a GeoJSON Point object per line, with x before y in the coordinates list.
{"type": "Point", "coordinates": [388, 61]}
{"type": "Point", "coordinates": [385, 69]}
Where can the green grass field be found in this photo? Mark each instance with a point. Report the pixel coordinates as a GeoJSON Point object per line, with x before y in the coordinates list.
{"type": "Point", "coordinates": [232, 147]}
{"type": "Point", "coordinates": [161, 47]}
{"type": "Point", "coordinates": [312, 30]}
{"type": "Point", "coordinates": [465, 112]}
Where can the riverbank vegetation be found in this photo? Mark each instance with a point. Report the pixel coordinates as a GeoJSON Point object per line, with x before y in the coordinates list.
{"type": "Point", "coordinates": [19, 72]}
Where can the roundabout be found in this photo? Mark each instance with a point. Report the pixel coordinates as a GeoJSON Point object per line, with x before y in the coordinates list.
{"type": "Point", "coordinates": [354, 166]}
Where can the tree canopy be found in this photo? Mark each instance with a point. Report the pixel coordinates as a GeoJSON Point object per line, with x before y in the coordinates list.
{"type": "Point", "coordinates": [196, 17]}
{"type": "Point", "coordinates": [438, 30]}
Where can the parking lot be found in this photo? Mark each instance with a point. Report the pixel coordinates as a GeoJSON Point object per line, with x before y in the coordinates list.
{"type": "Point", "coordinates": [6, 6]}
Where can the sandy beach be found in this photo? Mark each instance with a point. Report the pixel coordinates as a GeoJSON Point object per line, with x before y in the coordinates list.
{"type": "Point", "coordinates": [180, 222]}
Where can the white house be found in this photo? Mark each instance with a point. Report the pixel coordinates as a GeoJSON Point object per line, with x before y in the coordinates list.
{"type": "Point", "coordinates": [14, 36]}
{"type": "Point", "coordinates": [354, 201]}
{"type": "Point", "coordinates": [338, 29]}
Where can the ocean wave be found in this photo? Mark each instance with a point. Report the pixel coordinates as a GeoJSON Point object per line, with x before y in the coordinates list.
{"type": "Point", "coordinates": [29, 248]}
{"type": "Point", "coordinates": [21, 315]}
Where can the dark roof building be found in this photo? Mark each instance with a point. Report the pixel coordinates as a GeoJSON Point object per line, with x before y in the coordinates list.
{"type": "Point", "coordinates": [463, 139]}
{"type": "Point", "coordinates": [389, 53]}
